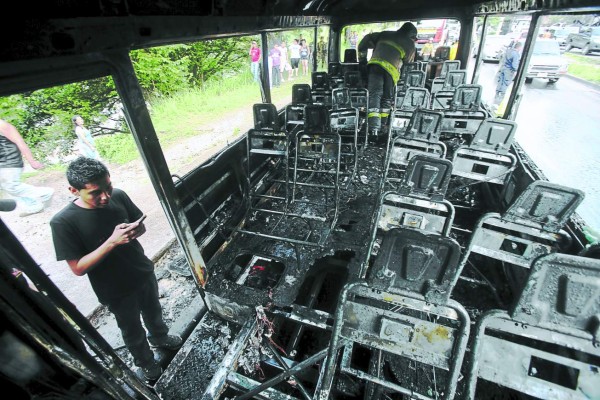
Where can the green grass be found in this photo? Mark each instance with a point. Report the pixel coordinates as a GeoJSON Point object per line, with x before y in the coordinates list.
{"type": "Point", "coordinates": [186, 113]}
{"type": "Point", "coordinates": [584, 67]}
{"type": "Point", "coordinates": [48, 167]}
{"type": "Point", "coordinates": [183, 115]}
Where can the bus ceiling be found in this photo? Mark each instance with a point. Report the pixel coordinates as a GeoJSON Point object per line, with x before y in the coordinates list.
{"type": "Point", "coordinates": [60, 29]}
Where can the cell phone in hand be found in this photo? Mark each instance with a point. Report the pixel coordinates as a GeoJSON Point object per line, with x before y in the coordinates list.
{"type": "Point", "coordinates": [142, 218]}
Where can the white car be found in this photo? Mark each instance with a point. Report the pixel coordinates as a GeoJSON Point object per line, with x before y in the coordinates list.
{"type": "Point", "coordinates": [493, 48]}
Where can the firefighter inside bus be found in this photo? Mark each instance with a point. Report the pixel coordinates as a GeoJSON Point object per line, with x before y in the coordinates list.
{"type": "Point", "coordinates": [390, 50]}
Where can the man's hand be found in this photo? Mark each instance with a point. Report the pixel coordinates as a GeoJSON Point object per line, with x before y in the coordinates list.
{"type": "Point", "coordinates": [35, 164]}
{"type": "Point", "coordinates": [138, 230]}
{"type": "Point", "coordinates": [125, 233]}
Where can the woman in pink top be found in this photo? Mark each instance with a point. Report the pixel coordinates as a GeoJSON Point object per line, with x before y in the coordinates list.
{"type": "Point", "coordinates": [255, 61]}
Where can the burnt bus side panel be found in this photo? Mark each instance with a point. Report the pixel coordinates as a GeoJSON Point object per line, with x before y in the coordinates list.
{"type": "Point", "coordinates": [212, 188]}
{"type": "Point", "coordinates": [214, 195]}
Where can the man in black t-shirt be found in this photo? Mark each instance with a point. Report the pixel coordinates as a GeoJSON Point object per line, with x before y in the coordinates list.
{"type": "Point", "coordinates": [97, 235]}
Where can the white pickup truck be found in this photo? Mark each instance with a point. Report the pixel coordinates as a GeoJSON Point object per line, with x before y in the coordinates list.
{"type": "Point", "coordinates": [588, 40]}
{"type": "Point", "coordinates": [546, 61]}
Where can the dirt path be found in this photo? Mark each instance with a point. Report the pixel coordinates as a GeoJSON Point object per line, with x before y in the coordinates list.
{"type": "Point", "coordinates": [34, 231]}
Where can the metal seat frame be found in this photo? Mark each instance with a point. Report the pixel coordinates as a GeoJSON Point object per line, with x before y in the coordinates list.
{"type": "Point", "coordinates": [441, 98]}
{"type": "Point", "coordinates": [345, 120]}
{"type": "Point", "coordinates": [465, 114]}
{"type": "Point", "coordinates": [399, 313]}
{"type": "Point", "coordinates": [419, 202]}
{"type": "Point", "coordinates": [546, 346]}
{"type": "Point", "coordinates": [488, 157]}
{"type": "Point", "coordinates": [413, 99]}
{"type": "Point", "coordinates": [420, 137]}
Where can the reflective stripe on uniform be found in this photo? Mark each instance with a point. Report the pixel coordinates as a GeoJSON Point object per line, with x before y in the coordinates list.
{"type": "Point", "coordinates": [373, 114]}
{"type": "Point", "coordinates": [395, 46]}
{"type": "Point", "coordinates": [389, 68]}
{"type": "Point", "coordinates": [384, 114]}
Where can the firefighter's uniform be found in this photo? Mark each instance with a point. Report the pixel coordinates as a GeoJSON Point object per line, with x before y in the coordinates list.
{"type": "Point", "coordinates": [390, 50]}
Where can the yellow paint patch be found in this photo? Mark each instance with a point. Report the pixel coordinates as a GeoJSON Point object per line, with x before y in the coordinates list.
{"type": "Point", "coordinates": [387, 297]}
{"type": "Point", "coordinates": [440, 333]}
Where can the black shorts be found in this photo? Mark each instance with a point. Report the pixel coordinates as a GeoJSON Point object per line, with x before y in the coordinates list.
{"type": "Point", "coordinates": [295, 62]}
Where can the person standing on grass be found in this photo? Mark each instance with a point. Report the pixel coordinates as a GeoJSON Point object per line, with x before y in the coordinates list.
{"type": "Point", "coordinates": [30, 199]}
{"type": "Point", "coordinates": [276, 63]}
{"type": "Point", "coordinates": [255, 61]}
{"type": "Point", "coordinates": [295, 57]}
{"type": "Point", "coordinates": [85, 142]}
{"type": "Point", "coordinates": [304, 55]}
{"type": "Point", "coordinates": [322, 52]}
{"type": "Point", "coordinates": [96, 235]}
{"type": "Point", "coordinates": [285, 62]}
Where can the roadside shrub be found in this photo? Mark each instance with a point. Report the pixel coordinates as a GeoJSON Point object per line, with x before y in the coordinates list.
{"type": "Point", "coordinates": [118, 148]}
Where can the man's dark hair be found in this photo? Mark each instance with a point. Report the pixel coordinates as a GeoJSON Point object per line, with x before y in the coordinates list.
{"type": "Point", "coordinates": [408, 29]}
{"type": "Point", "coordinates": [84, 170]}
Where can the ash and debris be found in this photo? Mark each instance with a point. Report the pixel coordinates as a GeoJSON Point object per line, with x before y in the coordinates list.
{"type": "Point", "coordinates": [256, 349]}
{"type": "Point", "coordinates": [192, 369]}
{"type": "Point", "coordinates": [357, 205]}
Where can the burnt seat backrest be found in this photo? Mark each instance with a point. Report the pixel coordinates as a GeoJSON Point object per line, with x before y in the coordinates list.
{"type": "Point", "coordinates": [415, 97]}
{"type": "Point", "coordinates": [405, 69]}
{"type": "Point", "coordinates": [358, 93]}
{"type": "Point", "coordinates": [421, 136]}
{"type": "Point", "coordinates": [466, 98]}
{"type": "Point", "coordinates": [341, 99]}
{"type": "Point", "coordinates": [529, 228]}
{"type": "Point", "coordinates": [464, 114]}
{"type": "Point", "coordinates": [488, 156]}
{"type": "Point", "coordinates": [442, 53]}
{"type": "Point", "coordinates": [562, 293]}
{"type": "Point", "coordinates": [294, 112]}
{"type": "Point", "coordinates": [424, 125]}
{"type": "Point", "coordinates": [442, 96]}
{"type": "Point", "coordinates": [336, 77]}
{"type": "Point", "coordinates": [350, 56]}
{"type": "Point", "coordinates": [317, 165]}
{"type": "Point", "coordinates": [494, 135]}
{"type": "Point", "coordinates": [403, 314]}
{"type": "Point", "coordinates": [415, 78]}
{"type": "Point", "coordinates": [426, 177]}
{"type": "Point", "coordinates": [266, 117]}
{"type": "Point", "coordinates": [547, 345]}
{"type": "Point", "coordinates": [352, 80]}
{"type": "Point", "coordinates": [316, 119]}
{"type": "Point", "coordinates": [454, 78]}
{"type": "Point", "coordinates": [416, 261]}
{"type": "Point", "coordinates": [334, 69]}
{"type": "Point", "coordinates": [419, 202]}
{"type": "Point", "coordinates": [447, 66]}
{"type": "Point", "coordinates": [265, 140]}
{"type": "Point", "coordinates": [321, 89]}
{"type": "Point", "coordinates": [320, 81]}
{"type": "Point", "coordinates": [301, 94]}
{"type": "Point", "coordinates": [545, 205]}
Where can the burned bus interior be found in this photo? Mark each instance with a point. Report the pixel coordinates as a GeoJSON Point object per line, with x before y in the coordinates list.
{"type": "Point", "coordinates": [435, 262]}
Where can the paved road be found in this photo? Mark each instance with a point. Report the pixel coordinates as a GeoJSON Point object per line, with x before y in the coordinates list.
{"type": "Point", "coordinates": [559, 126]}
